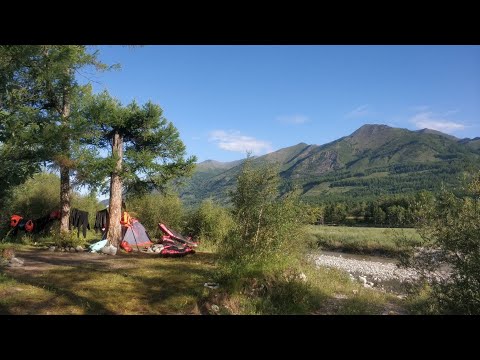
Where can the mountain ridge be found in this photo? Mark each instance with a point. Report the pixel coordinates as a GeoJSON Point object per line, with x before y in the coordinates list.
{"type": "Point", "coordinates": [373, 160]}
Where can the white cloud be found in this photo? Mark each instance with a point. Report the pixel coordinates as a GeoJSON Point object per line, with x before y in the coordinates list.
{"type": "Point", "coordinates": [429, 120]}
{"type": "Point", "coordinates": [232, 140]}
{"type": "Point", "coordinates": [293, 119]}
{"type": "Point", "coordinates": [360, 111]}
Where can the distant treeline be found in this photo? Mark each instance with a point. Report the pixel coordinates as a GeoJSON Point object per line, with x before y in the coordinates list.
{"type": "Point", "coordinates": [393, 211]}
{"type": "Point", "coordinates": [401, 180]}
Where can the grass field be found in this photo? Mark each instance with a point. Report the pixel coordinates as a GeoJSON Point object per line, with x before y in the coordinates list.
{"type": "Point", "coordinates": [84, 283]}
{"type": "Point", "coordinates": [139, 283]}
{"type": "Point", "coordinates": [363, 240]}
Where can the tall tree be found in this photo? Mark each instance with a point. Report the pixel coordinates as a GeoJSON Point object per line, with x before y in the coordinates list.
{"type": "Point", "coordinates": [40, 101]}
{"type": "Point", "coordinates": [146, 151]}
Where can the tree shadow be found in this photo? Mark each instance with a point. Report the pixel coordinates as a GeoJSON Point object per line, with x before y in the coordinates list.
{"type": "Point", "coordinates": [44, 281]}
{"type": "Point", "coordinates": [107, 283]}
{"type": "Point", "coordinates": [149, 284]}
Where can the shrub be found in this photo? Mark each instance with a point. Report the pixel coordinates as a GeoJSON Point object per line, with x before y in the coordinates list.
{"type": "Point", "coordinates": [209, 223]}
{"type": "Point", "coordinates": [69, 239]}
{"type": "Point", "coordinates": [38, 197]}
{"type": "Point", "coordinates": [450, 232]}
{"type": "Point", "coordinates": [152, 209]}
{"type": "Point", "coordinates": [35, 198]}
{"type": "Point", "coordinates": [268, 234]}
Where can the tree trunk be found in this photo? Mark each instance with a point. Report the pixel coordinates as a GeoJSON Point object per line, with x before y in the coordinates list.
{"type": "Point", "coordinates": [65, 170]}
{"type": "Point", "coordinates": [64, 198]}
{"type": "Point", "coordinates": [115, 208]}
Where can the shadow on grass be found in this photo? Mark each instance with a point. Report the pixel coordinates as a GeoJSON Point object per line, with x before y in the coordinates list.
{"type": "Point", "coordinates": [328, 294]}
{"type": "Point", "coordinates": [41, 257]}
{"type": "Point", "coordinates": [125, 284]}
{"type": "Point", "coordinates": [172, 285]}
{"type": "Point", "coordinates": [148, 284]}
{"type": "Point", "coordinates": [49, 282]}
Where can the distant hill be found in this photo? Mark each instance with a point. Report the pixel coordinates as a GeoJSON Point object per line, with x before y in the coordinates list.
{"type": "Point", "coordinates": [436, 132]}
{"type": "Point", "coordinates": [374, 160]}
{"type": "Point", "coordinates": [472, 143]}
{"type": "Point", "coordinates": [212, 165]}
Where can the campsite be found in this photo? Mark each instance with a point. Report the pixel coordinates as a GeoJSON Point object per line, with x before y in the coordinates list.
{"type": "Point", "coordinates": [239, 180]}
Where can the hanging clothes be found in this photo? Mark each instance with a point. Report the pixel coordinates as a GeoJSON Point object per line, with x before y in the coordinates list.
{"type": "Point", "coordinates": [101, 221]}
{"type": "Point", "coordinates": [79, 219]}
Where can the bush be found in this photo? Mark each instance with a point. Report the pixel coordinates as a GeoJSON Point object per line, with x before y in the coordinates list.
{"type": "Point", "coordinates": [152, 209]}
{"type": "Point", "coordinates": [38, 197]}
{"type": "Point", "coordinates": [35, 198]}
{"type": "Point", "coordinates": [69, 239]}
{"type": "Point", "coordinates": [450, 232]}
{"type": "Point", "coordinates": [268, 234]}
{"type": "Point", "coordinates": [209, 223]}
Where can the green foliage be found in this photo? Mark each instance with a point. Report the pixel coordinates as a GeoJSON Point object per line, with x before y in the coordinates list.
{"type": "Point", "coordinates": [66, 239]}
{"type": "Point", "coordinates": [451, 242]}
{"type": "Point", "coordinates": [39, 196]}
{"type": "Point", "coordinates": [281, 294]}
{"type": "Point", "coordinates": [41, 103]}
{"type": "Point", "coordinates": [17, 167]}
{"type": "Point", "coordinates": [335, 213]}
{"type": "Point", "coordinates": [145, 153]}
{"type": "Point", "coordinates": [36, 197]}
{"type": "Point", "coordinates": [209, 223]}
{"type": "Point", "coordinates": [314, 215]}
{"type": "Point", "coordinates": [267, 236]}
{"type": "Point", "coordinates": [151, 209]}
{"type": "Point", "coordinates": [153, 151]}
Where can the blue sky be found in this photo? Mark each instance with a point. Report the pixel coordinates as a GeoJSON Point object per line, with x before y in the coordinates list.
{"type": "Point", "coordinates": [225, 100]}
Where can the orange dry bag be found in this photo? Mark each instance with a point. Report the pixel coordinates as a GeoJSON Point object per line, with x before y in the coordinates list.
{"type": "Point", "coordinates": [29, 226]}
{"type": "Point", "coordinates": [14, 220]}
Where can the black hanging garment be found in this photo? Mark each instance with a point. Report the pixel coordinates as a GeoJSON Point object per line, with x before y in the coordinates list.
{"type": "Point", "coordinates": [71, 220]}
{"type": "Point", "coordinates": [79, 218]}
{"type": "Point", "coordinates": [101, 221]}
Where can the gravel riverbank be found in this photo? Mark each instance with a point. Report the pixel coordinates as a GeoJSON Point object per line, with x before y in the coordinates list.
{"type": "Point", "coordinates": [370, 273]}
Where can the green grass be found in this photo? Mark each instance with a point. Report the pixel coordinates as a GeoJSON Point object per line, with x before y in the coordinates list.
{"type": "Point", "coordinates": [375, 241]}
{"type": "Point", "coordinates": [326, 291]}
{"type": "Point", "coordinates": [147, 284]}
{"type": "Point", "coordinates": [125, 284]}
